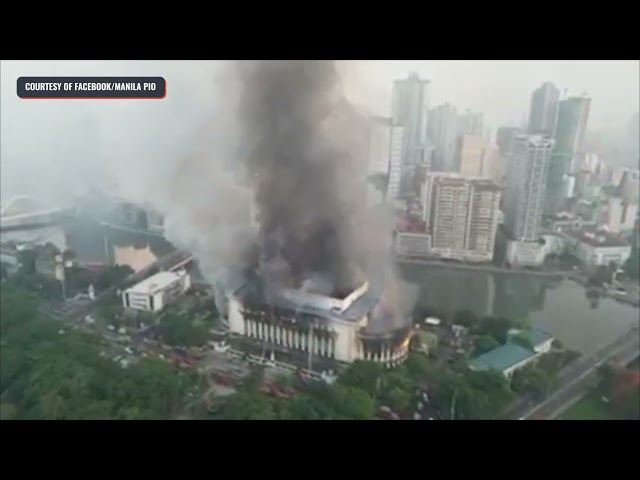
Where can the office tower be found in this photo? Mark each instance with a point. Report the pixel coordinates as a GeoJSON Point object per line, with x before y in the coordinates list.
{"type": "Point", "coordinates": [469, 151]}
{"type": "Point", "coordinates": [525, 189]}
{"type": "Point", "coordinates": [462, 216]}
{"type": "Point", "coordinates": [491, 164]}
{"type": "Point", "coordinates": [573, 114]}
{"type": "Point", "coordinates": [443, 126]}
{"type": "Point", "coordinates": [471, 123]}
{"type": "Point", "coordinates": [571, 127]}
{"type": "Point", "coordinates": [618, 215]}
{"type": "Point", "coordinates": [544, 108]}
{"type": "Point", "coordinates": [504, 138]}
{"type": "Point", "coordinates": [409, 108]}
{"type": "Point", "coordinates": [630, 186]}
{"type": "Point", "coordinates": [395, 162]}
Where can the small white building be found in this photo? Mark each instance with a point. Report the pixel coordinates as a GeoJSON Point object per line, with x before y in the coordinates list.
{"type": "Point", "coordinates": [155, 292]}
{"type": "Point", "coordinates": [597, 248]}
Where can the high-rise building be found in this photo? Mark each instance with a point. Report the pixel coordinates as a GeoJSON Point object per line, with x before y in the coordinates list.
{"type": "Point", "coordinates": [469, 154]}
{"type": "Point", "coordinates": [571, 129]}
{"type": "Point", "coordinates": [379, 145]}
{"type": "Point", "coordinates": [569, 148]}
{"type": "Point", "coordinates": [630, 186]}
{"type": "Point", "coordinates": [618, 215]}
{"type": "Point", "coordinates": [471, 123]}
{"type": "Point", "coordinates": [462, 216]}
{"type": "Point", "coordinates": [544, 108]}
{"type": "Point", "coordinates": [409, 108]}
{"type": "Point", "coordinates": [505, 137]}
{"type": "Point", "coordinates": [442, 131]}
{"type": "Point", "coordinates": [525, 188]}
{"type": "Point", "coordinates": [395, 162]}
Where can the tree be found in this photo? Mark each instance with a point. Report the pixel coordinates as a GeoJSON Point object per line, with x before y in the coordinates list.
{"type": "Point", "coordinates": [523, 341]}
{"type": "Point", "coordinates": [364, 375]}
{"type": "Point", "coordinates": [419, 368]}
{"type": "Point", "coordinates": [465, 318]}
{"type": "Point", "coordinates": [179, 330]}
{"type": "Point", "coordinates": [497, 327]}
{"type": "Point", "coordinates": [8, 411]}
{"type": "Point", "coordinates": [485, 343]}
{"type": "Point", "coordinates": [112, 276]}
{"type": "Point", "coordinates": [249, 406]}
{"type": "Point", "coordinates": [351, 403]}
{"type": "Point", "coordinates": [49, 376]}
{"type": "Point", "coordinates": [397, 389]}
{"type": "Point", "coordinates": [532, 381]}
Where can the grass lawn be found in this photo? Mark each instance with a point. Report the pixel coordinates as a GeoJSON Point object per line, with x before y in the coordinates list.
{"type": "Point", "coordinates": [589, 407]}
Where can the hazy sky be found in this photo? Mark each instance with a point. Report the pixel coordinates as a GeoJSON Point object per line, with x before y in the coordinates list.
{"type": "Point", "coordinates": [502, 88]}
{"type": "Point", "coordinates": [49, 145]}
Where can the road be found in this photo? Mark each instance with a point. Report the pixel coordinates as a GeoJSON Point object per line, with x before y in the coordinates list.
{"type": "Point", "coordinates": [578, 377]}
{"type": "Point", "coordinates": [481, 268]}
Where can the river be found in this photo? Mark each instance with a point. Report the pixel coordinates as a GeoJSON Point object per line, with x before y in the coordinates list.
{"type": "Point", "coordinates": [559, 306]}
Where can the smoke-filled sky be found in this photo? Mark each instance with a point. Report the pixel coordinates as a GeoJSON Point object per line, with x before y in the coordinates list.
{"type": "Point", "coordinates": [50, 146]}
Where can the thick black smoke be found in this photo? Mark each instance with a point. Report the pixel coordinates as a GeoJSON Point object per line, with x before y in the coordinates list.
{"type": "Point", "coordinates": [300, 170]}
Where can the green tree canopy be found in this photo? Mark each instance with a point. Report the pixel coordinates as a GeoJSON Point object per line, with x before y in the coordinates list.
{"type": "Point", "coordinates": [485, 343]}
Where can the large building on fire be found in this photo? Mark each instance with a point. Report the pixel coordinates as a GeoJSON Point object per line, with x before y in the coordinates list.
{"type": "Point", "coordinates": [314, 329]}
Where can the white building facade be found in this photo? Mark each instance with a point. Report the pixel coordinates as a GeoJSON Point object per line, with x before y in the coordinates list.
{"type": "Point", "coordinates": [597, 248]}
{"type": "Point", "coordinates": [157, 291]}
{"type": "Point", "coordinates": [527, 171]}
{"type": "Point", "coordinates": [318, 328]}
{"type": "Point", "coordinates": [395, 162]}
{"type": "Point", "coordinates": [461, 214]}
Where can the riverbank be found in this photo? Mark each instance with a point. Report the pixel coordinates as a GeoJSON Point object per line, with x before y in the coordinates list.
{"type": "Point", "coordinates": [482, 267]}
{"type": "Point", "coordinates": [627, 295]}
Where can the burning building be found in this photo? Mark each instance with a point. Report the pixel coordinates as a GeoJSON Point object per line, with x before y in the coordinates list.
{"type": "Point", "coordinates": [315, 326]}
{"type": "Point", "coordinates": [305, 298]}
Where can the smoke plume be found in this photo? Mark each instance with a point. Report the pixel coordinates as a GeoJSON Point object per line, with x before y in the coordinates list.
{"type": "Point", "coordinates": [302, 170]}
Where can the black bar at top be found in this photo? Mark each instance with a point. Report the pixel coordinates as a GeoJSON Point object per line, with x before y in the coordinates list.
{"type": "Point", "coordinates": [92, 87]}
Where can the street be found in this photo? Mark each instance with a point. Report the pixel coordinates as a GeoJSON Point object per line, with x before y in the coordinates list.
{"type": "Point", "coordinates": [577, 377]}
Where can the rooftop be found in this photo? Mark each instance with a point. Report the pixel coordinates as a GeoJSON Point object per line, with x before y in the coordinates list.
{"type": "Point", "coordinates": [362, 305]}
{"type": "Point", "coordinates": [501, 358]}
{"type": "Point", "coordinates": [536, 336]}
{"type": "Point", "coordinates": [155, 282]}
{"type": "Point", "coordinates": [596, 239]}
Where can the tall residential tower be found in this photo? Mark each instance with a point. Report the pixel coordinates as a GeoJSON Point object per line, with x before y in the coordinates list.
{"type": "Point", "coordinates": [462, 216]}
{"type": "Point", "coordinates": [544, 109]}
{"type": "Point", "coordinates": [527, 170]}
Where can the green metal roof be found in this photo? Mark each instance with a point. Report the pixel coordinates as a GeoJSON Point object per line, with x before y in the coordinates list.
{"type": "Point", "coordinates": [501, 358]}
{"type": "Point", "coordinates": [535, 335]}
